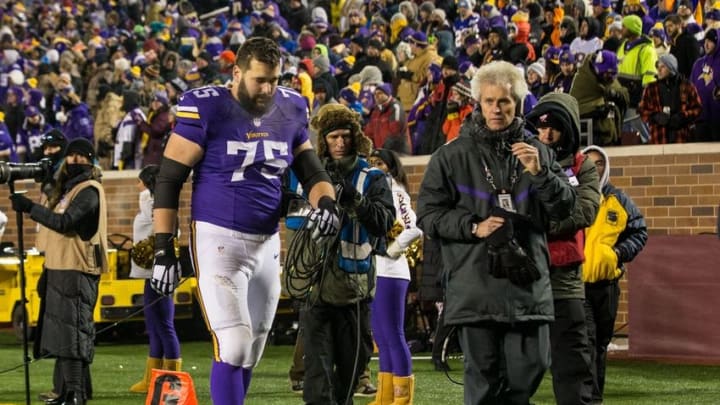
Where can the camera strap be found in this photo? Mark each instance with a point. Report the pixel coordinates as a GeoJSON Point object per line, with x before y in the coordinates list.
{"type": "Point", "coordinates": [503, 195]}
{"type": "Point", "coordinates": [491, 179]}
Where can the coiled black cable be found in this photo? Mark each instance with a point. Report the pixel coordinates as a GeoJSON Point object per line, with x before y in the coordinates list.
{"type": "Point", "coordinates": [306, 259]}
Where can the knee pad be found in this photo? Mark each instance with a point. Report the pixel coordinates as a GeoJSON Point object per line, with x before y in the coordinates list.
{"type": "Point", "coordinates": [239, 346]}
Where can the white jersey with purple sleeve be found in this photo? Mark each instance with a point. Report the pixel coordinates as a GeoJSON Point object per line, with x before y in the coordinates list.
{"type": "Point", "coordinates": [237, 183]}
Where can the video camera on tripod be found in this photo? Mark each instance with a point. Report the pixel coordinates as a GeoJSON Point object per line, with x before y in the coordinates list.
{"type": "Point", "coordinates": [38, 171]}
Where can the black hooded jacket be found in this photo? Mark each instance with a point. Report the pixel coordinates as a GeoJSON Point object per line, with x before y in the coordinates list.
{"type": "Point", "coordinates": [567, 280]}
{"type": "Point", "coordinates": [455, 193]}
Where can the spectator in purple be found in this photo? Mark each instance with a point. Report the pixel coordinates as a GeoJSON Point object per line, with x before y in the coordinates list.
{"type": "Point", "coordinates": [29, 136]}
{"type": "Point", "coordinates": [156, 126]}
{"type": "Point", "coordinates": [7, 146]}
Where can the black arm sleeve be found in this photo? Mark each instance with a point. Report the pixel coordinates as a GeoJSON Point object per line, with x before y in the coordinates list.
{"type": "Point", "coordinates": [169, 182]}
{"type": "Point", "coordinates": [81, 215]}
{"type": "Point", "coordinates": [309, 170]}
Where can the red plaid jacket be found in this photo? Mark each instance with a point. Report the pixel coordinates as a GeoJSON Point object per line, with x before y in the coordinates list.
{"type": "Point", "coordinates": [689, 109]}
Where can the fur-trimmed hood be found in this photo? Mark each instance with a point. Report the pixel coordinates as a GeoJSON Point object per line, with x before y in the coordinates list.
{"type": "Point", "coordinates": [335, 116]}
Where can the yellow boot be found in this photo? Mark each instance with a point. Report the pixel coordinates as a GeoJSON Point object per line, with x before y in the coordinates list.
{"type": "Point", "coordinates": [171, 364]}
{"type": "Point", "coordinates": [404, 390]}
{"type": "Point", "coordinates": [384, 394]}
{"type": "Point", "coordinates": [141, 386]}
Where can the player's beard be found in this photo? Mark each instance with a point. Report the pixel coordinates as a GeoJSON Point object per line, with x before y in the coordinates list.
{"type": "Point", "coordinates": [255, 105]}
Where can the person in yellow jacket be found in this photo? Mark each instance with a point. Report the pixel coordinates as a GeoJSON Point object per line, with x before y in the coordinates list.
{"type": "Point", "coordinates": [637, 58]}
{"type": "Point", "coordinates": [618, 234]}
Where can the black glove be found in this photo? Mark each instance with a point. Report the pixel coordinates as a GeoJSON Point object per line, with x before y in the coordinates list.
{"type": "Point", "coordinates": [599, 113]}
{"type": "Point", "coordinates": [517, 265]}
{"type": "Point", "coordinates": [495, 263]}
{"type": "Point", "coordinates": [507, 259]}
{"type": "Point", "coordinates": [404, 74]}
{"type": "Point", "coordinates": [675, 122]}
{"type": "Point", "coordinates": [20, 203]}
{"type": "Point", "coordinates": [496, 242]}
{"type": "Point", "coordinates": [324, 220]}
{"type": "Point", "coordinates": [612, 94]}
{"type": "Point", "coordinates": [349, 197]}
{"type": "Point", "coordinates": [660, 118]}
{"type": "Point", "coordinates": [166, 272]}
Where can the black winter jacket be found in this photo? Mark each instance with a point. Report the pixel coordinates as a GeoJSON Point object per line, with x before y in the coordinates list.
{"type": "Point", "coordinates": [455, 193]}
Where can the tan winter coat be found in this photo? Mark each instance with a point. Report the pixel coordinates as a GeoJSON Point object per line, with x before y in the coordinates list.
{"type": "Point", "coordinates": [408, 89]}
{"type": "Point", "coordinates": [108, 115]}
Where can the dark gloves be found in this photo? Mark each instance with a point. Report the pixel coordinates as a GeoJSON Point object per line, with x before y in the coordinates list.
{"type": "Point", "coordinates": [599, 113]}
{"type": "Point", "coordinates": [660, 118]}
{"type": "Point", "coordinates": [519, 267]}
{"type": "Point", "coordinates": [166, 272]}
{"type": "Point", "coordinates": [404, 74]}
{"type": "Point", "coordinates": [612, 94]}
{"type": "Point", "coordinates": [324, 220]}
{"type": "Point", "coordinates": [349, 197]}
{"type": "Point", "coordinates": [20, 203]}
{"type": "Point", "coordinates": [510, 261]}
{"type": "Point", "coordinates": [507, 259]}
{"type": "Point", "coordinates": [675, 122]}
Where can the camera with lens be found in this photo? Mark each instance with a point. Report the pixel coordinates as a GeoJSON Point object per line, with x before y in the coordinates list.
{"type": "Point", "coordinates": [38, 171]}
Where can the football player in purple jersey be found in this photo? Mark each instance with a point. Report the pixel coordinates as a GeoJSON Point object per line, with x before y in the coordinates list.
{"type": "Point", "coordinates": [238, 141]}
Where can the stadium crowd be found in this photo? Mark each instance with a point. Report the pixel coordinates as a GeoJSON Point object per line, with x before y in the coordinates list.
{"type": "Point", "coordinates": [110, 74]}
{"type": "Point", "coordinates": [111, 71]}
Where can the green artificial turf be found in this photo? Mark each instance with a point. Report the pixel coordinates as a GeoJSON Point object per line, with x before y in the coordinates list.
{"type": "Point", "coordinates": [117, 366]}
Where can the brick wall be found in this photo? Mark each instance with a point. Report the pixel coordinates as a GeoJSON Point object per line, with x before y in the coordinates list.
{"type": "Point", "coordinates": [677, 187]}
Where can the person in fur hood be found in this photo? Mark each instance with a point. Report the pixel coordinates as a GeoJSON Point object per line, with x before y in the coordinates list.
{"type": "Point", "coordinates": [339, 300]}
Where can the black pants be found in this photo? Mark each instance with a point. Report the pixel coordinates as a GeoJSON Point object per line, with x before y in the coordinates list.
{"type": "Point", "coordinates": [73, 378]}
{"type": "Point", "coordinates": [59, 381]}
{"type": "Point", "coordinates": [504, 364]}
{"type": "Point", "coordinates": [572, 378]}
{"type": "Point", "coordinates": [336, 352]}
{"type": "Point", "coordinates": [601, 306]}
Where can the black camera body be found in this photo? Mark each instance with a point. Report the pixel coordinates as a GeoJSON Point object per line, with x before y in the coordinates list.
{"type": "Point", "coordinates": [38, 171]}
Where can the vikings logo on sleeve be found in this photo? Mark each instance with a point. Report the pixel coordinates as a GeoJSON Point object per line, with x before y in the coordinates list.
{"type": "Point", "coordinates": [237, 182]}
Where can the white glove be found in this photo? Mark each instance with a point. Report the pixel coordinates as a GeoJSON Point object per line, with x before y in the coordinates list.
{"type": "Point", "coordinates": [61, 117]}
{"type": "Point", "coordinates": [324, 220]}
{"type": "Point", "coordinates": [166, 272]}
{"type": "Point", "coordinates": [394, 250]}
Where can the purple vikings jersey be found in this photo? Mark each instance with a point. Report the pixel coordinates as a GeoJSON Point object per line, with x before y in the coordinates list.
{"type": "Point", "coordinates": [236, 185]}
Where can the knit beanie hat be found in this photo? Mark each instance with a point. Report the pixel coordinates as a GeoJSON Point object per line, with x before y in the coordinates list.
{"type": "Point", "coordinates": [658, 31]}
{"type": "Point", "coordinates": [450, 62]}
{"type": "Point", "coordinates": [671, 62]}
{"type": "Point", "coordinates": [712, 36]}
{"type": "Point", "coordinates": [321, 64]}
{"type": "Point", "coordinates": [604, 62]}
{"type": "Point", "coordinates": [633, 24]}
{"type": "Point", "coordinates": [538, 68]}
{"type": "Point", "coordinates": [348, 95]}
{"type": "Point", "coordinates": [385, 88]}
{"type": "Point", "coordinates": [462, 87]}
{"type": "Point", "coordinates": [179, 84]}
{"type": "Point", "coordinates": [80, 146]}
{"type": "Point", "coordinates": [386, 155]}
{"type": "Point", "coordinates": [306, 41]}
